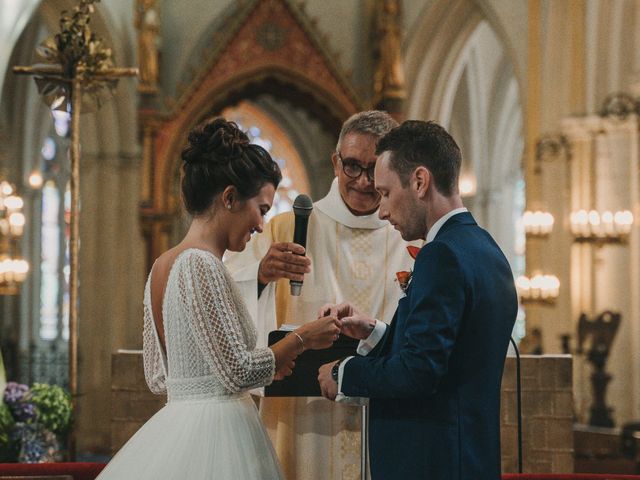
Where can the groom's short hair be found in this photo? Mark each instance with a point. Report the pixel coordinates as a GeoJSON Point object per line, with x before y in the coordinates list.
{"type": "Point", "coordinates": [416, 143]}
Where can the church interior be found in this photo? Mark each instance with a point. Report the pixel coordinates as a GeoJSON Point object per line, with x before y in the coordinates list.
{"type": "Point", "coordinates": [537, 93]}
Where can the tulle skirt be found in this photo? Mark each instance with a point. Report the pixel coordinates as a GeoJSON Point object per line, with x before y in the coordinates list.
{"type": "Point", "coordinates": [217, 438]}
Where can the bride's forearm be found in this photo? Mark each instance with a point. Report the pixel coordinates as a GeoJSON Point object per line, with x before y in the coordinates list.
{"type": "Point", "coordinates": [287, 349]}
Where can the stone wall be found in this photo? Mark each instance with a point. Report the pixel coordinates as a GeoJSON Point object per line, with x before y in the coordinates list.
{"type": "Point", "coordinates": [132, 403]}
{"type": "Point", "coordinates": [547, 410]}
{"type": "Point", "coordinates": [547, 415]}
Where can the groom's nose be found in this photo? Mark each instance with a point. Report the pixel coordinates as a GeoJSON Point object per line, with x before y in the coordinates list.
{"type": "Point", "coordinates": [383, 213]}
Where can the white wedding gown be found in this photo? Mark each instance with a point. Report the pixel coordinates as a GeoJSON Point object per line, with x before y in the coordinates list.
{"type": "Point", "coordinates": [210, 427]}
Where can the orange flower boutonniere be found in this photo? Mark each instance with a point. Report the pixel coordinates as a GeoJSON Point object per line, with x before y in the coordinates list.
{"type": "Point", "coordinates": [404, 277]}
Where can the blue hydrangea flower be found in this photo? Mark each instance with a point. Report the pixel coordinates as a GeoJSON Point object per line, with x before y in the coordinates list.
{"type": "Point", "coordinates": [15, 392]}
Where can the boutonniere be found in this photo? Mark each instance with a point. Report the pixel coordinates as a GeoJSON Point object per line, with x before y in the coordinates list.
{"type": "Point", "coordinates": [404, 277]}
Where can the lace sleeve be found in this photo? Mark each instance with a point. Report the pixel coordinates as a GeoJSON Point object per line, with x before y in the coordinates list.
{"type": "Point", "coordinates": [153, 357]}
{"type": "Point", "coordinates": [217, 327]}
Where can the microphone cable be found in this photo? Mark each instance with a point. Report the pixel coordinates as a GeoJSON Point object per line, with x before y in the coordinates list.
{"type": "Point", "coordinates": [518, 403]}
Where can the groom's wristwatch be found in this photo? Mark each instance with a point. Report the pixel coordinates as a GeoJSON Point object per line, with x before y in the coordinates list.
{"type": "Point", "coordinates": [335, 370]}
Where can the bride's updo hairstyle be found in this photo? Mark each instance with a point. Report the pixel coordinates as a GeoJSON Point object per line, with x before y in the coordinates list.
{"type": "Point", "coordinates": [218, 154]}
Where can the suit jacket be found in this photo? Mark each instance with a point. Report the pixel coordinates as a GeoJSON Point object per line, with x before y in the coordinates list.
{"type": "Point", "coordinates": [434, 379]}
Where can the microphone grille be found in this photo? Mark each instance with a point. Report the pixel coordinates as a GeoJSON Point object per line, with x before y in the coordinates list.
{"type": "Point", "coordinates": [302, 205]}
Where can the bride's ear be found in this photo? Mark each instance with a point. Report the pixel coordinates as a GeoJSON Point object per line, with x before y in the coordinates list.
{"type": "Point", "coordinates": [229, 197]}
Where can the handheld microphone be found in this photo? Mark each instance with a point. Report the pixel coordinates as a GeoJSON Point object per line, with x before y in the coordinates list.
{"type": "Point", "coordinates": [302, 207]}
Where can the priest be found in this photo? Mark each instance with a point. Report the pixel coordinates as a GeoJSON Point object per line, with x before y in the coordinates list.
{"type": "Point", "coordinates": [351, 254]}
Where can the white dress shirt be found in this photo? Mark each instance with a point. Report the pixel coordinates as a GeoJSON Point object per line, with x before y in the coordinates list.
{"type": "Point", "coordinates": [365, 346]}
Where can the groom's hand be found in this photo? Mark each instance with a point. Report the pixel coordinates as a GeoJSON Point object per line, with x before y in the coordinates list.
{"type": "Point", "coordinates": [357, 326]}
{"type": "Point", "coordinates": [283, 260]}
{"type": "Point", "coordinates": [328, 386]}
{"type": "Point", "coordinates": [340, 310]}
{"type": "Point", "coordinates": [354, 324]}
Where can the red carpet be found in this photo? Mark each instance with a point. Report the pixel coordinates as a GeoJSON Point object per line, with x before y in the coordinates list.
{"type": "Point", "coordinates": [89, 471]}
{"type": "Point", "coordinates": [78, 470]}
{"type": "Point", "coordinates": [573, 476]}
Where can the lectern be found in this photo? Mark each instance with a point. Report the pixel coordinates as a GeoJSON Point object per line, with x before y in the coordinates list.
{"type": "Point", "coordinates": [303, 382]}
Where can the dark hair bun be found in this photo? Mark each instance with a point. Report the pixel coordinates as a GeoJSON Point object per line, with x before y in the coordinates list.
{"type": "Point", "coordinates": [216, 141]}
{"type": "Point", "coordinates": [219, 154]}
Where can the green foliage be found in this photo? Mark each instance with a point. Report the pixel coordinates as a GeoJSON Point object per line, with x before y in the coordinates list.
{"type": "Point", "coordinates": [53, 407]}
{"type": "Point", "coordinates": [7, 450]}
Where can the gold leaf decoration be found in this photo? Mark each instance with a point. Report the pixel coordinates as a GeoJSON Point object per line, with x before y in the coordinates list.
{"type": "Point", "coordinates": [78, 52]}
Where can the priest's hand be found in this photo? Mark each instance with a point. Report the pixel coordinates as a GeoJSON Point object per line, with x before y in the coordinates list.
{"type": "Point", "coordinates": [283, 260]}
{"type": "Point", "coordinates": [328, 386]}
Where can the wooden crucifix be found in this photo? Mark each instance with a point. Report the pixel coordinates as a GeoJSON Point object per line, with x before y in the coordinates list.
{"type": "Point", "coordinates": [75, 72]}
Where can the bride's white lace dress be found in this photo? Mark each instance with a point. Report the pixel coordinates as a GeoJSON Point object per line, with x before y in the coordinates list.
{"type": "Point", "coordinates": [210, 427]}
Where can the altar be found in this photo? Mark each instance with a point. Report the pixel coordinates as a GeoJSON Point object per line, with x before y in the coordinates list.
{"type": "Point", "coordinates": [547, 409]}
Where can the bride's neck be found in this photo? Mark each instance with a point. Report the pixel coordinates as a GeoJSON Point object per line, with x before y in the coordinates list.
{"type": "Point", "coordinates": [207, 234]}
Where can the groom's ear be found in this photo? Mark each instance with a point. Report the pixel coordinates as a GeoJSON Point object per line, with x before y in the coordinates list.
{"type": "Point", "coordinates": [421, 179]}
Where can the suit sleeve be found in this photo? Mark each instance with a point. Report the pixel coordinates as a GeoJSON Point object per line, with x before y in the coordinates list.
{"type": "Point", "coordinates": [428, 333]}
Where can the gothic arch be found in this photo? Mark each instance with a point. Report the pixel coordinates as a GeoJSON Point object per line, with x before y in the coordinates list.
{"type": "Point", "coordinates": [270, 48]}
{"type": "Point", "coordinates": [467, 80]}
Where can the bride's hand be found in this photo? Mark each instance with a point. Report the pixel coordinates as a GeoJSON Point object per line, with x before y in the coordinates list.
{"type": "Point", "coordinates": [285, 371]}
{"type": "Point", "coordinates": [320, 333]}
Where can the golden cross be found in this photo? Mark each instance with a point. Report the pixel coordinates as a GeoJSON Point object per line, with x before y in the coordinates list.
{"type": "Point", "coordinates": [75, 82]}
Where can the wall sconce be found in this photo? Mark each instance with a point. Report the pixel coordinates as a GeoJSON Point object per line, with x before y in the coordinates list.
{"type": "Point", "coordinates": [35, 180]}
{"type": "Point", "coordinates": [550, 147]}
{"type": "Point", "coordinates": [538, 223]}
{"type": "Point", "coordinates": [540, 288]}
{"type": "Point", "coordinates": [13, 269]}
{"type": "Point", "coordinates": [619, 105]}
{"type": "Point", "coordinates": [600, 228]}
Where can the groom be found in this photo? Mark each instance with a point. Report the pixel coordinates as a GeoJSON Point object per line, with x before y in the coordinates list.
{"type": "Point", "coordinates": [433, 375]}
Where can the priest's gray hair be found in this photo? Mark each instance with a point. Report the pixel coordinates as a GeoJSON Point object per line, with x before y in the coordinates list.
{"type": "Point", "coordinates": [371, 122]}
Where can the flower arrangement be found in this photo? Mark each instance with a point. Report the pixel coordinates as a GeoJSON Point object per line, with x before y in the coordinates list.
{"type": "Point", "coordinates": [403, 277]}
{"type": "Point", "coordinates": [32, 421]}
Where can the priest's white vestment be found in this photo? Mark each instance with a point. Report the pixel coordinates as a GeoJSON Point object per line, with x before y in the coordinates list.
{"type": "Point", "coordinates": [353, 258]}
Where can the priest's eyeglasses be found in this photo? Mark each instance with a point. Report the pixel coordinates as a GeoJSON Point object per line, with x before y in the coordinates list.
{"type": "Point", "coordinates": [353, 169]}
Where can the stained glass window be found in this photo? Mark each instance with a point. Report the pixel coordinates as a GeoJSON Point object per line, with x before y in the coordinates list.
{"type": "Point", "coordinates": [54, 233]}
{"type": "Point", "coordinates": [48, 359]}
{"type": "Point", "coordinates": [264, 131]}
{"type": "Point", "coordinates": [50, 246]}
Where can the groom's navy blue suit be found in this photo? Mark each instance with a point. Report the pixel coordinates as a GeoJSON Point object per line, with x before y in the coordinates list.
{"type": "Point", "coordinates": [434, 379]}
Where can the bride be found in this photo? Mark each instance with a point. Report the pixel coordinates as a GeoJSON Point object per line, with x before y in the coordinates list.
{"type": "Point", "coordinates": [199, 340]}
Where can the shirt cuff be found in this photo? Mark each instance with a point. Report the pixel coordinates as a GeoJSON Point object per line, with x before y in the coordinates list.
{"type": "Point", "coordinates": [341, 397]}
{"type": "Point", "coordinates": [340, 372]}
{"type": "Point", "coordinates": [365, 346]}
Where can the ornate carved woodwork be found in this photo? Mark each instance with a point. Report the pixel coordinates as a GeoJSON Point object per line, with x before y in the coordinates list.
{"type": "Point", "coordinates": [269, 46]}
{"type": "Point", "coordinates": [388, 82]}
